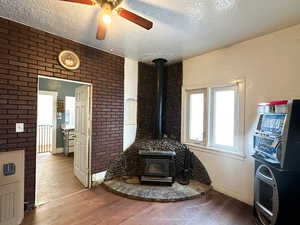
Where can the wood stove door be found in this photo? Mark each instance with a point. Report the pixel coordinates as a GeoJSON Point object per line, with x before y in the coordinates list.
{"type": "Point", "coordinates": [157, 167]}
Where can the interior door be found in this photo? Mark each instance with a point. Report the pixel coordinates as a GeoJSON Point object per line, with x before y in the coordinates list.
{"type": "Point", "coordinates": [82, 133]}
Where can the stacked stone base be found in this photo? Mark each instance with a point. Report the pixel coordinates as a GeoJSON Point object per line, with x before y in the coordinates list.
{"type": "Point", "coordinates": [128, 163]}
{"type": "Point", "coordinates": [155, 193]}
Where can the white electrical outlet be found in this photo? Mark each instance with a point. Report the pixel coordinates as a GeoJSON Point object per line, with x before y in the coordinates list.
{"type": "Point", "coordinates": [19, 127]}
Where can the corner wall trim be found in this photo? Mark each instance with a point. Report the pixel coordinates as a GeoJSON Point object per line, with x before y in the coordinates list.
{"type": "Point", "coordinates": [98, 178]}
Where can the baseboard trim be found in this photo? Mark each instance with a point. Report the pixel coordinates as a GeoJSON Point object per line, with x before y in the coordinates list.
{"type": "Point", "coordinates": [59, 150]}
{"type": "Point", "coordinates": [233, 194]}
{"type": "Point", "coordinates": [98, 178]}
{"type": "Point", "coordinates": [29, 206]}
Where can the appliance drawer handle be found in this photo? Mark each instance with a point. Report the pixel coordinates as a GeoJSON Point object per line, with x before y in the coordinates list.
{"type": "Point", "coordinates": [265, 211]}
{"type": "Point", "coordinates": [265, 177]}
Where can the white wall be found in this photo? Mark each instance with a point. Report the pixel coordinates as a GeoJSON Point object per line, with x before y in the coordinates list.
{"type": "Point", "coordinates": [130, 92]}
{"type": "Point", "coordinates": [271, 67]}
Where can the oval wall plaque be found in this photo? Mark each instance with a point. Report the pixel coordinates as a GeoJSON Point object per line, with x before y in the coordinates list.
{"type": "Point", "coordinates": [69, 60]}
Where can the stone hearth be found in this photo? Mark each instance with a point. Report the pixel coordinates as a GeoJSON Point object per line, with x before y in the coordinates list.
{"type": "Point", "coordinates": [128, 165]}
{"type": "Point", "coordinates": [131, 188]}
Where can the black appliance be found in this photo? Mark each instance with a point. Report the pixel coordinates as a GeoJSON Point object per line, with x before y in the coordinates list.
{"type": "Point", "coordinates": [157, 166]}
{"type": "Point", "coordinates": [277, 163]}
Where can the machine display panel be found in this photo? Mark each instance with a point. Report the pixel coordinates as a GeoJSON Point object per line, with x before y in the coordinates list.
{"type": "Point", "coordinates": [267, 147]}
{"type": "Point", "coordinates": [271, 123]}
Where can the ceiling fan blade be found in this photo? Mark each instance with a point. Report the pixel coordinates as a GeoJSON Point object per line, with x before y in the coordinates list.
{"type": "Point", "coordinates": [101, 28]}
{"type": "Point", "coordinates": [86, 2]}
{"type": "Point", "coordinates": [132, 17]}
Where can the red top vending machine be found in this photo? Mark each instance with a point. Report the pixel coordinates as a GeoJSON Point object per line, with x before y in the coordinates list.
{"type": "Point", "coordinates": [276, 144]}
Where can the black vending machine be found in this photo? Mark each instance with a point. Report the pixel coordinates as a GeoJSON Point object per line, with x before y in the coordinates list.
{"type": "Point", "coordinates": [277, 163]}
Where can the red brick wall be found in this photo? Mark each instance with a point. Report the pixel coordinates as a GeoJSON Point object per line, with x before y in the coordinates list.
{"type": "Point", "coordinates": [146, 100]}
{"type": "Point", "coordinates": [173, 101]}
{"type": "Point", "coordinates": [26, 53]}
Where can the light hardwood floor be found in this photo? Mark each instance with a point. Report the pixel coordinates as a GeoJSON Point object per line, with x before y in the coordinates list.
{"type": "Point", "coordinates": [99, 207]}
{"type": "Point", "coordinates": [55, 177]}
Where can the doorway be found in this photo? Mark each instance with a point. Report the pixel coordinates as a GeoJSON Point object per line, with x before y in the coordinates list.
{"type": "Point", "coordinates": [63, 138]}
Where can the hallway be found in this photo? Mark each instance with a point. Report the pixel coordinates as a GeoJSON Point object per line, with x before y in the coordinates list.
{"type": "Point", "coordinates": [55, 178]}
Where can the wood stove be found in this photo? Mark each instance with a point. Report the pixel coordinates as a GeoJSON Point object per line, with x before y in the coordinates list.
{"type": "Point", "coordinates": [157, 166]}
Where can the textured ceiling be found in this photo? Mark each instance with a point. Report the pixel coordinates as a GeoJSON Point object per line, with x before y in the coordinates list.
{"type": "Point", "coordinates": [182, 28]}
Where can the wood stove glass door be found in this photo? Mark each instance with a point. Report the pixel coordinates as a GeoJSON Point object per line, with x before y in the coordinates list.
{"type": "Point", "coordinates": [157, 167]}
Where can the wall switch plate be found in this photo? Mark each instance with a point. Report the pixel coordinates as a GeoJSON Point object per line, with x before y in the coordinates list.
{"type": "Point", "coordinates": [19, 127]}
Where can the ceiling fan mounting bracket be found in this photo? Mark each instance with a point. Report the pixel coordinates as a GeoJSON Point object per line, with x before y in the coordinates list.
{"type": "Point", "coordinates": [113, 3]}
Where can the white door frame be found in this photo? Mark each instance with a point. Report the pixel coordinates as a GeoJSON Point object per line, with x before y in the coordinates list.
{"type": "Point", "coordinates": [90, 135]}
{"type": "Point", "coordinates": [91, 119]}
{"type": "Point", "coordinates": [54, 95]}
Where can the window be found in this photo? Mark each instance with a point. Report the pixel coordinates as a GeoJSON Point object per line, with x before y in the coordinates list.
{"type": "Point", "coordinates": [224, 117]}
{"type": "Point", "coordinates": [70, 112]}
{"type": "Point", "coordinates": [196, 116]}
{"type": "Point", "coordinates": [214, 120]}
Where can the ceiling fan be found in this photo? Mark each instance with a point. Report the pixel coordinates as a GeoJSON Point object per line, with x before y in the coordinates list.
{"type": "Point", "coordinates": [108, 6]}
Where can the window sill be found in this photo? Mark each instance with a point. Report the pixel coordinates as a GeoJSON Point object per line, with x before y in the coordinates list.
{"type": "Point", "coordinates": [217, 151]}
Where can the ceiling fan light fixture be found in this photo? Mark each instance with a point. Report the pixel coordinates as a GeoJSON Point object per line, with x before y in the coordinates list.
{"type": "Point", "coordinates": [106, 14]}
{"type": "Point", "coordinates": [108, 7]}
{"type": "Point", "coordinates": [106, 19]}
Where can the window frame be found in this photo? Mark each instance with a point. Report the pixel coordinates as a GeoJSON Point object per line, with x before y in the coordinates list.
{"type": "Point", "coordinates": [207, 145]}
{"type": "Point", "coordinates": [212, 113]}
{"type": "Point", "coordinates": [187, 118]}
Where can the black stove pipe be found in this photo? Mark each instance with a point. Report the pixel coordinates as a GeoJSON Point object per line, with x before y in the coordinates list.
{"type": "Point", "coordinates": [160, 98]}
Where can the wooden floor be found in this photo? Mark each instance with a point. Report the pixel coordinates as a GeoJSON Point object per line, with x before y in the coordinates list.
{"type": "Point", "coordinates": [54, 177]}
{"type": "Point", "coordinates": [99, 207]}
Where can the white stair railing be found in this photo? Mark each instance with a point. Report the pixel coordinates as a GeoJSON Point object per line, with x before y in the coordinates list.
{"type": "Point", "coordinates": [44, 138]}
